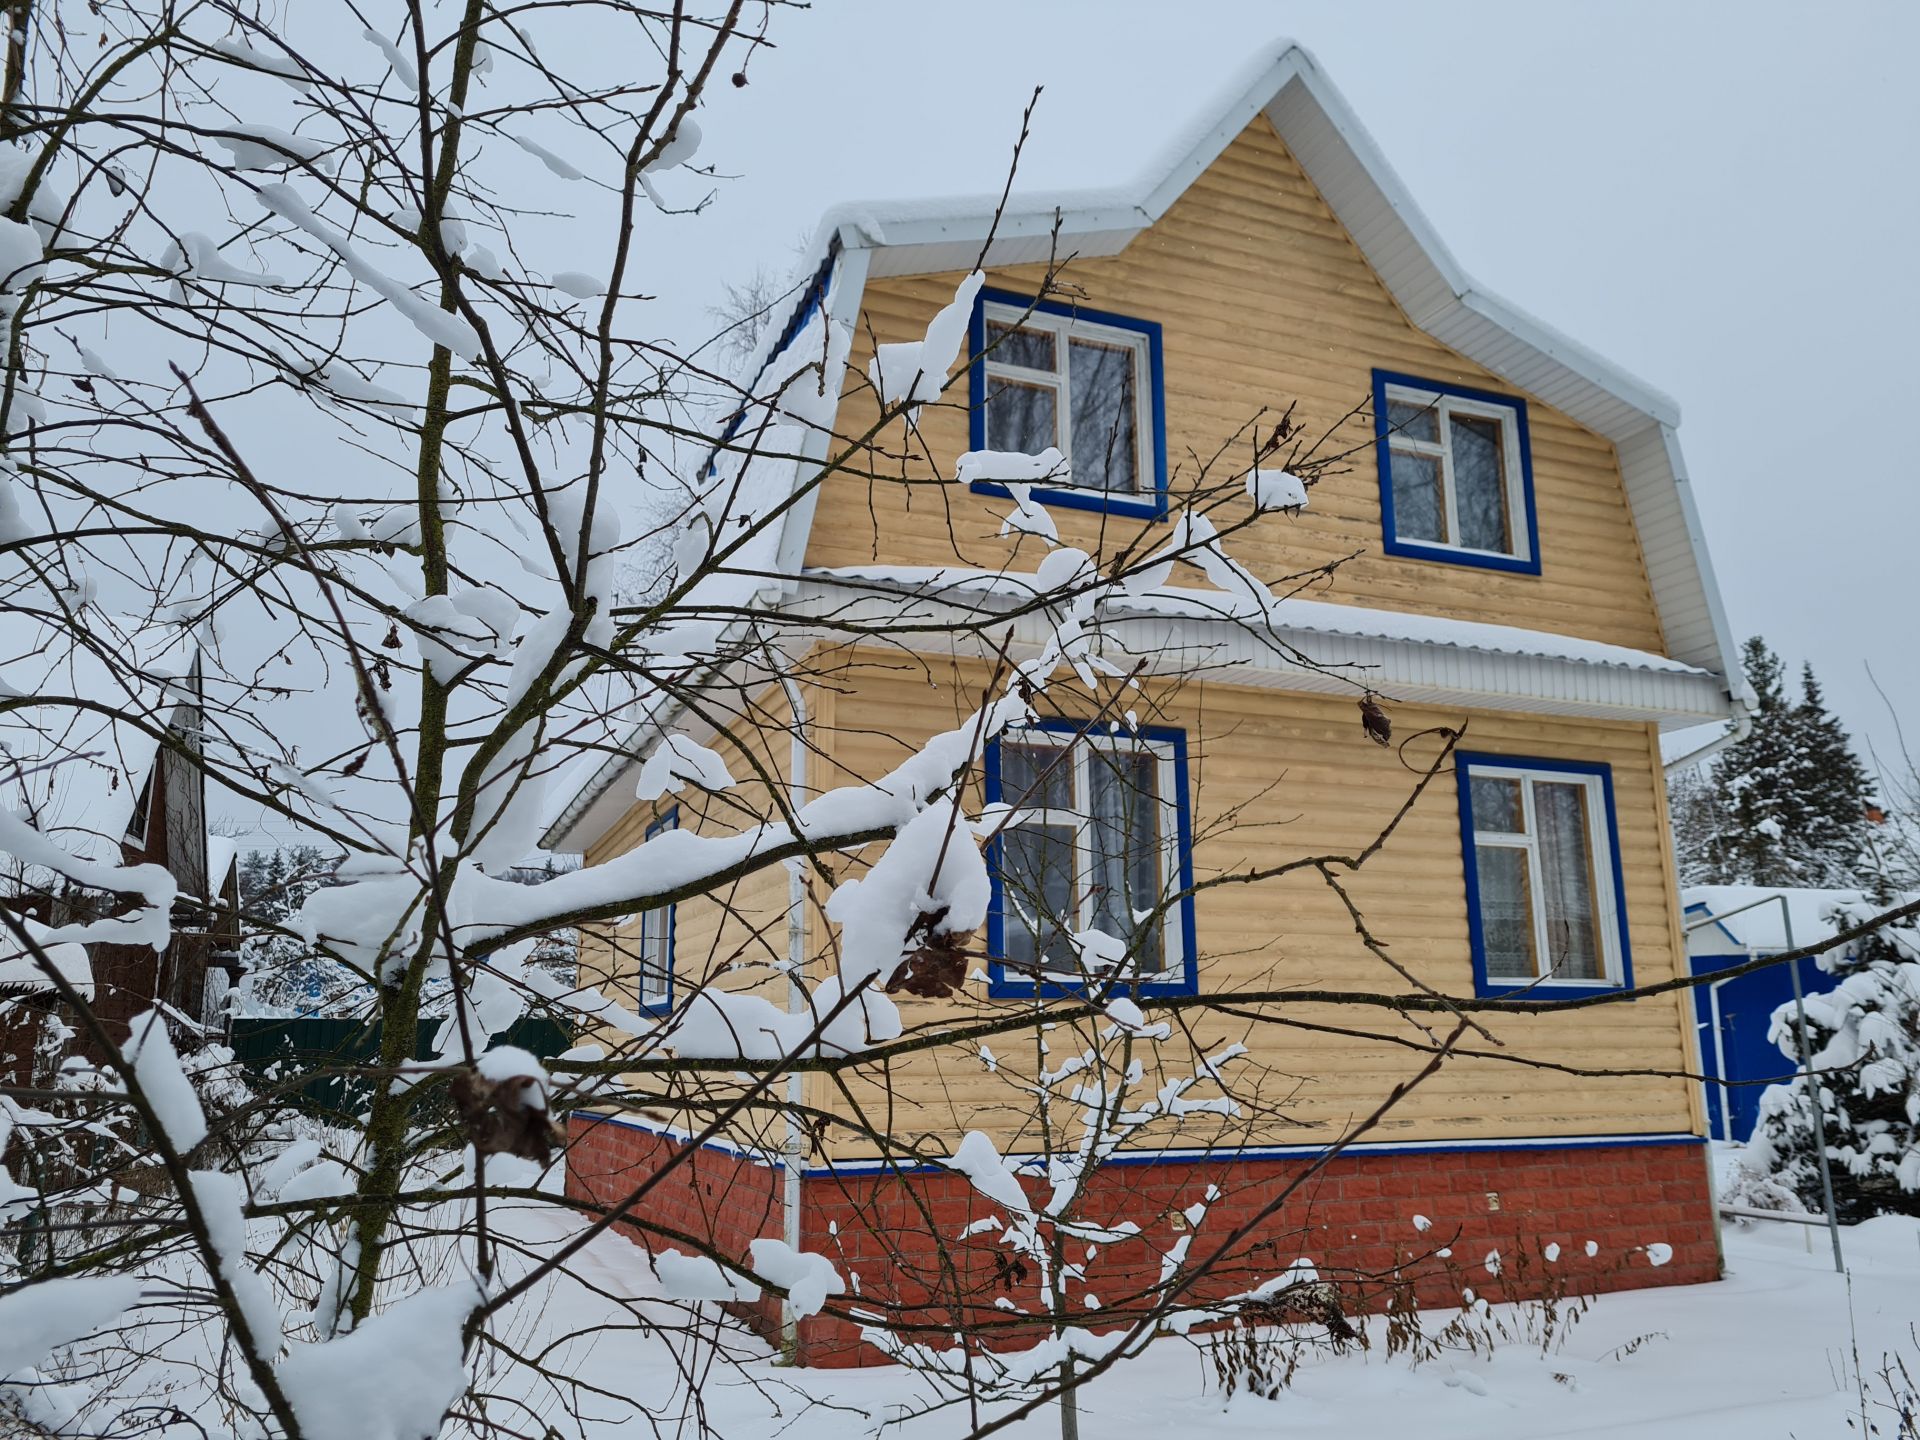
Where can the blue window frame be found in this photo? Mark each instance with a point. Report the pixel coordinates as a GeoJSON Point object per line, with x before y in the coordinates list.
{"type": "Point", "coordinates": [1456, 474]}
{"type": "Point", "coordinates": [1546, 906]}
{"type": "Point", "coordinates": [653, 970]}
{"type": "Point", "coordinates": [1100, 829]}
{"type": "Point", "coordinates": [1031, 375]}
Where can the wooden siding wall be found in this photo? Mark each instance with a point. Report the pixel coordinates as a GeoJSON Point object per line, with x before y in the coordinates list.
{"type": "Point", "coordinates": [1277, 777]}
{"type": "Point", "coordinates": [1264, 301]}
{"type": "Point", "coordinates": [731, 938]}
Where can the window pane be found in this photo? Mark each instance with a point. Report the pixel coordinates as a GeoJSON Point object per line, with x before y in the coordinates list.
{"type": "Point", "coordinates": [1496, 806]}
{"type": "Point", "coordinates": [1102, 381]}
{"type": "Point", "coordinates": [1416, 422]}
{"type": "Point", "coordinates": [1416, 498]}
{"type": "Point", "coordinates": [1036, 877]}
{"type": "Point", "coordinates": [1126, 849]}
{"type": "Point", "coordinates": [653, 955]}
{"type": "Point", "coordinates": [1506, 912]}
{"type": "Point", "coordinates": [1036, 777]}
{"type": "Point", "coordinates": [1480, 484]}
{"type": "Point", "coordinates": [1566, 881]}
{"type": "Point", "coordinates": [1008, 346]}
{"type": "Point", "coordinates": [1020, 417]}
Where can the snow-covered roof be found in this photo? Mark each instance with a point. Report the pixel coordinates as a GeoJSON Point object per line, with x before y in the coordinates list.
{"type": "Point", "coordinates": [1320, 617]}
{"type": "Point", "coordinates": [77, 771]}
{"type": "Point", "coordinates": [223, 853]}
{"type": "Point", "coordinates": [1425, 659]}
{"type": "Point", "coordinates": [21, 972]}
{"type": "Point", "coordinates": [1761, 928]}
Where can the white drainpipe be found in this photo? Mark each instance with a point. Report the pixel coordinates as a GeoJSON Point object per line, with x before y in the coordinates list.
{"type": "Point", "coordinates": [796, 1149]}
{"type": "Point", "coordinates": [1742, 726]}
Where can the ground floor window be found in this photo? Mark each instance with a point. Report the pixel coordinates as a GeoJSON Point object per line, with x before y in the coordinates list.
{"type": "Point", "coordinates": [654, 986]}
{"type": "Point", "coordinates": [1094, 841]}
{"type": "Point", "coordinates": [1544, 899]}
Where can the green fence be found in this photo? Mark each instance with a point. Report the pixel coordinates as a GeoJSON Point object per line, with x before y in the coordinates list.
{"type": "Point", "coordinates": [319, 1060]}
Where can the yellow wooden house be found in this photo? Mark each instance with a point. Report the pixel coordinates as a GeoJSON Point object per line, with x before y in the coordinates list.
{"type": "Point", "coordinates": [1507, 549]}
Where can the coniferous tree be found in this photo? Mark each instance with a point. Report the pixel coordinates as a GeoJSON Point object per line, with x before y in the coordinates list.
{"type": "Point", "coordinates": [1865, 1042]}
{"type": "Point", "coordinates": [1693, 804]}
{"type": "Point", "coordinates": [1832, 787]}
{"type": "Point", "coordinates": [1788, 802]}
{"type": "Point", "coordinates": [284, 976]}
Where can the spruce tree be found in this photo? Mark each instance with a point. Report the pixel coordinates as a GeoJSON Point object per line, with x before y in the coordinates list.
{"type": "Point", "coordinates": [1865, 1041]}
{"type": "Point", "coordinates": [1788, 801]}
{"type": "Point", "coordinates": [1832, 787]}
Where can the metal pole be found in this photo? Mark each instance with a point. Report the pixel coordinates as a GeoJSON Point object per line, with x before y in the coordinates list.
{"type": "Point", "coordinates": [1720, 1058]}
{"type": "Point", "coordinates": [1811, 1089]}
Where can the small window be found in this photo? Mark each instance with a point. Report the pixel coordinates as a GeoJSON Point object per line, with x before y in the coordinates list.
{"type": "Point", "coordinates": [142, 814]}
{"type": "Point", "coordinates": [1456, 478]}
{"type": "Point", "coordinates": [1543, 876]}
{"type": "Point", "coordinates": [1080, 381]}
{"type": "Point", "coordinates": [654, 982]}
{"type": "Point", "coordinates": [1096, 837]}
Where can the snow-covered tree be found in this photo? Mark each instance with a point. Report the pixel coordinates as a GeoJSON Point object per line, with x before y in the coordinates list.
{"type": "Point", "coordinates": [1786, 805]}
{"type": "Point", "coordinates": [283, 974]}
{"type": "Point", "coordinates": [330, 369]}
{"type": "Point", "coordinates": [1864, 1037]}
{"type": "Point", "coordinates": [330, 363]}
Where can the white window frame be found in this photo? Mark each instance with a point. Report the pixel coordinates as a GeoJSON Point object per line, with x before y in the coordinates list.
{"type": "Point", "coordinates": [1600, 861]}
{"type": "Point", "coordinates": [656, 937]}
{"type": "Point", "coordinates": [1445, 406]}
{"type": "Point", "coordinates": [1065, 328]}
{"type": "Point", "coordinates": [1173, 954]}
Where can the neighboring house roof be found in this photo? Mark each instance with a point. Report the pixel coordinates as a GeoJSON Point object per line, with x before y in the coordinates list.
{"type": "Point", "coordinates": [21, 972]}
{"type": "Point", "coordinates": [1762, 928]}
{"type": "Point", "coordinates": [933, 236]}
{"type": "Point", "coordinates": [223, 854]}
{"type": "Point", "coordinates": [78, 772]}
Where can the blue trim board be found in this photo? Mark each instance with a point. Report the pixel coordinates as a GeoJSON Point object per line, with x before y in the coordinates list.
{"type": "Point", "coordinates": [1463, 763]}
{"type": "Point", "coordinates": [775, 1161]}
{"type": "Point", "coordinates": [813, 297]}
{"type": "Point", "coordinates": [668, 819]}
{"type": "Point", "coordinates": [1447, 554]}
{"type": "Point", "coordinates": [1229, 1155]}
{"type": "Point", "coordinates": [999, 984]}
{"type": "Point", "coordinates": [1153, 507]}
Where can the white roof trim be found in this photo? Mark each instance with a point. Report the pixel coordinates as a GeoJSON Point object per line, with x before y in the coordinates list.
{"type": "Point", "coordinates": [1413, 659]}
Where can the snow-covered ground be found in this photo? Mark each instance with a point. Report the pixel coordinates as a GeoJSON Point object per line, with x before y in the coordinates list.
{"type": "Point", "coordinates": [1771, 1351]}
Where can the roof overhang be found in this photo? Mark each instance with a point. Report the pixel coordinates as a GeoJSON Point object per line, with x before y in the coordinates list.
{"type": "Point", "coordinates": [1307, 647]}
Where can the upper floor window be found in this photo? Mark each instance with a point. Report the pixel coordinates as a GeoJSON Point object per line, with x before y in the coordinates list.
{"type": "Point", "coordinates": [1456, 475]}
{"type": "Point", "coordinates": [654, 981]}
{"type": "Point", "coordinates": [1545, 906]}
{"type": "Point", "coordinates": [1097, 837]}
{"type": "Point", "coordinates": [1082, 382]}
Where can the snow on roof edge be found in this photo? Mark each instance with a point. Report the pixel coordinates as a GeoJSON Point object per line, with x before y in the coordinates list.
{"type": "Point", "coordinates": [1322, 616]}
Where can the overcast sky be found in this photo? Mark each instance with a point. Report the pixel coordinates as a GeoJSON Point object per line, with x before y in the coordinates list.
{"type": "Point", "coordinates": [1721, 198]}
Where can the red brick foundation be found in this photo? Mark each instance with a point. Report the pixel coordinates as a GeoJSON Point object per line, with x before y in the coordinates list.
{"type": "Point", "coordinates": [901, 1235]}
